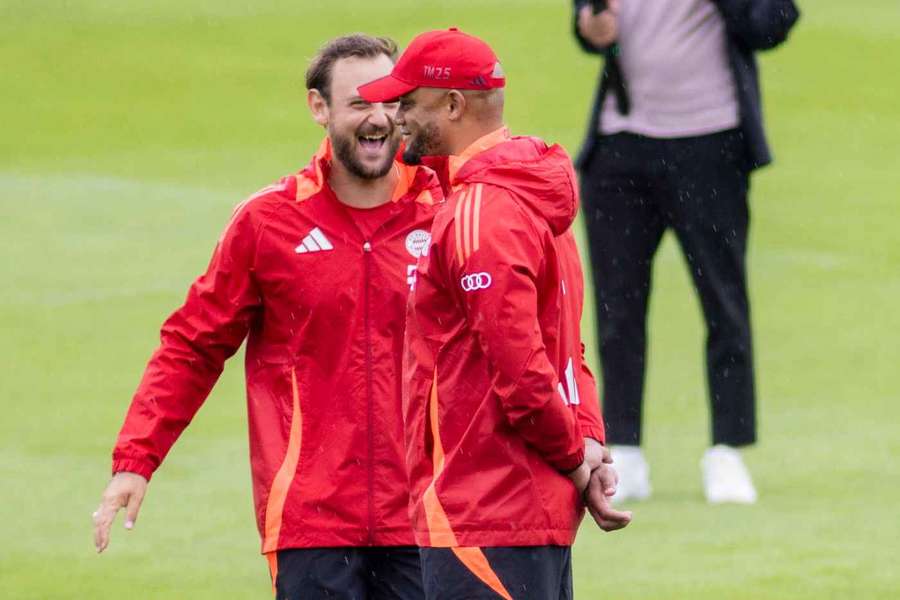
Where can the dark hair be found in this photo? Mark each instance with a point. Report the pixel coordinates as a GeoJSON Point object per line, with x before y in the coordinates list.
{"type": "Point", "coordinates": [360, 45]}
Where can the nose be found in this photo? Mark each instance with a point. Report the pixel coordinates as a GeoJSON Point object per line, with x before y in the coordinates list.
{"type": "Point", "coordinates": [381, 115]}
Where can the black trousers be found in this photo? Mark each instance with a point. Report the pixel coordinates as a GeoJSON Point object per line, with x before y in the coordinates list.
{"type": "Point", "coordinates": [371, 573]}
{"type": "Point", "coordinates": [633, 189]}
{"type": "Point", "coordinates": [511, 573]}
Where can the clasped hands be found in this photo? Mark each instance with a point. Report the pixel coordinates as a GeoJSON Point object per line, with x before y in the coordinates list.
{"type": "Point", "coordinates": [596, 479]}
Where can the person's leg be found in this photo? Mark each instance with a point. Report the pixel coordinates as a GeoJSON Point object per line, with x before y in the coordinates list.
{"type": "Point", "coordinates": [394, 573]}
{"type": "Point", "coordinates": [513, 573]}
{"type": "Point", "coordinates": [710, 215]}
{"type": "Point", "coordinates": [336, 573]}
{"type": "Point", "coordinates": [619, 188]}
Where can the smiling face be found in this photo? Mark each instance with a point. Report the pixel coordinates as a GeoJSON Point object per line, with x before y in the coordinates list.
{"type": "Point", "coordinates": [364, 135]}
{"type": "Point", "coordinates": [421, 116]}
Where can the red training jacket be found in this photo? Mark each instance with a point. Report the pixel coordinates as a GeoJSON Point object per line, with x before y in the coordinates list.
{"type": "Point", "coordinates": [323, 309]}
{"type": "Point", "coordinates": [497, 398]}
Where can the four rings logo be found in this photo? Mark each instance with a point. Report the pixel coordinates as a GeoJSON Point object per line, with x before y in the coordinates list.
{"type": "Point", "coordinates": [475, 281]}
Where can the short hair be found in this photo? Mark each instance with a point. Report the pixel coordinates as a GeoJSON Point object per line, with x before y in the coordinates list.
{"type": "Point", "coordinates": [359, 45]}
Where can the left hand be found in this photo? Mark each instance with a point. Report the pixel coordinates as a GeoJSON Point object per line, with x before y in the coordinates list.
{"type": "Point", "coordinates": [600, 490]}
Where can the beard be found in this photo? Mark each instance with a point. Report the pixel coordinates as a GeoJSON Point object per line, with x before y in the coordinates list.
{"type": "Point", "coordinates": [345, 151]}
{"type": "Point", "coordinates": [426, 143]}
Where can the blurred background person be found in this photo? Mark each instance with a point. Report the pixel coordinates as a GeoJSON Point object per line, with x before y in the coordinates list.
{"type": "Point", "coordinates": [675, 130]}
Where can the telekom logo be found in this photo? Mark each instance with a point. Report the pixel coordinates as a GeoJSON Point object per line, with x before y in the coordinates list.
{"type": "Point", "coordinates": [432, 72]}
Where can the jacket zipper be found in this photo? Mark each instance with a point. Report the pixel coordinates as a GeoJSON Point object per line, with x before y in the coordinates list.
{"type": "Point", "coordinates": [367, 258]}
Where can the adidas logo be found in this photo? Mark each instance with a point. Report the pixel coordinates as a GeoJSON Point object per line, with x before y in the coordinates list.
{"type": "Point", "coordinates": [315, 241]}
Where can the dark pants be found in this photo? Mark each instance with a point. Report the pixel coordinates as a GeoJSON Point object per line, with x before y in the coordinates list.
{"type": "Point", "coordinates": [633, 189]}
{"type": "Point", "coordinates": [513, 573]}
{"type": "Point", "coordinates": [376, 573]}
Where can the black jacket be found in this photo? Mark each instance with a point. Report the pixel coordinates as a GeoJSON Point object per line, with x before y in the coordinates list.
{"type": "Point", "coordinates": [751, 25]}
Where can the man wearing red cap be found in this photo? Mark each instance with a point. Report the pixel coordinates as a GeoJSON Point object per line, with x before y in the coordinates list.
{"type": "Point", "coordinates": [503, 431]}
{"type": "Point", "coordinates": [314, 271]}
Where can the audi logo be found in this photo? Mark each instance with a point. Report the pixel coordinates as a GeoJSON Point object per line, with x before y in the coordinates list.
{"type": "Point", "coordinates": [475, 281]}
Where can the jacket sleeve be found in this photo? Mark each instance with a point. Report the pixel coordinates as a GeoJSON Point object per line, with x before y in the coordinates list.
{"type": "Point", "coordinates": [759, 24]}
{"type": "Point", "coordinates": [494, 268]}
{"type": "Point", "coordinates": [195, 342]}
{"type": "Point", "coordinates": [589, 416]}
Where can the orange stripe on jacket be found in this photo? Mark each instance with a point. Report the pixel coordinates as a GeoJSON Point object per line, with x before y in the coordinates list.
{"type": "Point", "coordinates": [439, 530]}
{"type": "Point", "coordinates": [467, 224]}
{"type": "Point", "coordinates": [272, 557]}
{"type": "Point", "coordinates": [285, 474]}
{"type": "Point", "coordinates": [475, 560]}
{"type": "Point", "coordinates": [477, 217]}
{"type": "Point", "coordinates": [457, 225]}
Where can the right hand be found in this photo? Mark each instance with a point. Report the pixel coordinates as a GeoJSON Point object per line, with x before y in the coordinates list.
{"type": "Point", "coordinates": [125, 490]}
{"type": "Point", "coordinates": [602, 29]}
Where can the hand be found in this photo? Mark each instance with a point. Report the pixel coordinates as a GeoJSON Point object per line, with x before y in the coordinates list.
{"type": "Point", "coordinates": [125, 490]}
{"type": "Point", "coordinates": [595, 453]}
{"type": "Point", "coordinates": [601, 488]}
{"type": "Point", "coordinates": [581, 477]}
{"type": "Point", "coordinates": [602, 29]}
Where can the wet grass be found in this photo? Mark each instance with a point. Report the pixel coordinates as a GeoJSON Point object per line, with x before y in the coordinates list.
{"type": "Point", "coordinates": [129, 130]}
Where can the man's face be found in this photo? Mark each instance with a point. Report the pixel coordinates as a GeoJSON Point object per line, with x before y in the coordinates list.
{"type": "Point", "coordinates": [421, 118]}
{"type": "Point", "coordinates": [364, 136]}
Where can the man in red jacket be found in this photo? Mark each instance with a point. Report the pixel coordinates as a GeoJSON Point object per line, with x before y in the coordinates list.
{"type": "Point", "coordinates": [314, 272]}
{"type": "Point", "coordinates": [503, 425]}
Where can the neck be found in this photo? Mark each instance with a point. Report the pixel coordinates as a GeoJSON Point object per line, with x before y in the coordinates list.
{"type": "Point", "coordinates": [469, 135]}
{"type": "Point", "coordinates": [360, 192]}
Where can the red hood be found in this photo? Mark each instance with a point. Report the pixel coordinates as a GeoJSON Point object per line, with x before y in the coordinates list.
{"type": "Point", "coordinates": [540, 176]}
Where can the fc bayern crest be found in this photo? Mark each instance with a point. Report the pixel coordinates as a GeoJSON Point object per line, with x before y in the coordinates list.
{"type": "Point", "coordinates": [417, 242]}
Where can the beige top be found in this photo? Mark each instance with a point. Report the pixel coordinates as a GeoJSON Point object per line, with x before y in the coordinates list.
{"type": "Point", "coordinates": [674, 61]}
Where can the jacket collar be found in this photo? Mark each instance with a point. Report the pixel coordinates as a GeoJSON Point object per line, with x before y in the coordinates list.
{"type": "Point", "coordinates": [486, 142]}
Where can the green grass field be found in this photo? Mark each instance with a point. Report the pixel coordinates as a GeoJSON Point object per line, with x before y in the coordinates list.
{"type": "Point", "coordinates": [128, 130]}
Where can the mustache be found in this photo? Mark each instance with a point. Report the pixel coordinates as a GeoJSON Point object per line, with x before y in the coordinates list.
{"type": "Point", "coordinates": [376, 131]}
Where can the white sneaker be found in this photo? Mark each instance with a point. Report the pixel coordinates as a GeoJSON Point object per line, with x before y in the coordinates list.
{"type": "Point", "coordinates": [725, 477]}
{"type": "Point", "coordinates": [634, 473]}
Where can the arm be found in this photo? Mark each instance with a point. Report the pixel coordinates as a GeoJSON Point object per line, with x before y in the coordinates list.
{"type": "Point", "coordinates": [502, 311]}
{"type": "Point", "coordinates": [759, 24]}
{"type": "Point", "coordinates": [195, 342]}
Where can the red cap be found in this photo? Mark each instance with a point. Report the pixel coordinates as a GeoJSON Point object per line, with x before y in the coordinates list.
{"type": "Point", "coordinates": [447, 58]}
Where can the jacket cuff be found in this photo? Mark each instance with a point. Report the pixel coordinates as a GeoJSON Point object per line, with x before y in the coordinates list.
{"type": "Point", "coordinates": [133, 465]}
{"type": "Point", "coordinates": [596, 433]}
{"type": "Point", "coordinates": [570, 462]}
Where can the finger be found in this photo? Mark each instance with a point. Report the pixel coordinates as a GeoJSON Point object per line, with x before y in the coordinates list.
{"type": "Point", "coordinates": [103, 519]}
{"type": "Point", "coordinates": [611, 522]}
{"type": "Point", "coordinates": [607, 479]}
{"type": "Point", "coordinates": [613, 6]}
{"type": "Point", "coordinates": [131, 510]}
{"type": "Point", "coordinates": [607, 456]}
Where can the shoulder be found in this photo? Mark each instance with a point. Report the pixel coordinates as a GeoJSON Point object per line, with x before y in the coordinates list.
{"type": "Point", "coordinates": [250, 214]}
{"type": "Point", "coordinates": [481, 216]}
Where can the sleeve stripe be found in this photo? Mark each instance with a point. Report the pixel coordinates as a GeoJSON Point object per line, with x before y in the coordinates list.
{"type": "Point", "coordinates": [467, 222]}
{"type": "Point", "coordinates": [467, 225]}
{"type": "Point", "coordinates": [475, 236]}
{"type": "Point", "coordinates": [456, 225]}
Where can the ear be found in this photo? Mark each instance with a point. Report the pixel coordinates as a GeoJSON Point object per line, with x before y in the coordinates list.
{"type": "Point", "coordinates": [318, 106]}
{"type": "Point", "coordinates": [456, 105]}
